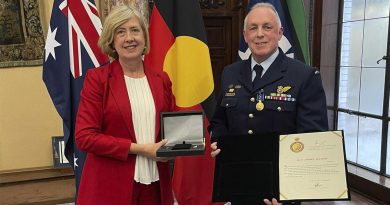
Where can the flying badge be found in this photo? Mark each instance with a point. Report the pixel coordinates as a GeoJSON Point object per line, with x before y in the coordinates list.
{"type": "Point", "coordinates": [282, 89]}
{"type": "Point", "coordinates": [281, 94]}
{"type": "Point", "coordinates": [297, 146]}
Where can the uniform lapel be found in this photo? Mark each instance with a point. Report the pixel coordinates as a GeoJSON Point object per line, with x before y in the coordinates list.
{"type": "Point", "coordinates": [118, 89]}
{"type": "Point", "coordinates": [275, 72]}
{"type": "Point", "coordinates": [246, 75]}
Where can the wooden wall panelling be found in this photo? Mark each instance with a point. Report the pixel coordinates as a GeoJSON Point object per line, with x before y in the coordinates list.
{"type": "Point", "coordinates": [223, 22]}
{"type": "Point", "coordinates": [219, 42]}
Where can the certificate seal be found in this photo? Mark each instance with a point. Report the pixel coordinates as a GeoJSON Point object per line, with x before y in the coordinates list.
{"type": "Point", "coordinates": [297, 146]}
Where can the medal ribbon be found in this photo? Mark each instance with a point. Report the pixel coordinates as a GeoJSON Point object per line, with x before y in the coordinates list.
{"type": "Point", "coordinates": [260, 95]}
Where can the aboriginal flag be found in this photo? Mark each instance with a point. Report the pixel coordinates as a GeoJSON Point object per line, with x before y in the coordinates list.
{"type": "Point", "coordinates": [179, 47]}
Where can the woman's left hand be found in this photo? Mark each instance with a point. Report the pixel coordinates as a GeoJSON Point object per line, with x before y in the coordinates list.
{"type": "Point", "coordinates": [149, 150]}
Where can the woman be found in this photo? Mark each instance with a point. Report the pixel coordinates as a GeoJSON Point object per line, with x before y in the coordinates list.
{"type": "Point", "coordinates": [118, 120]}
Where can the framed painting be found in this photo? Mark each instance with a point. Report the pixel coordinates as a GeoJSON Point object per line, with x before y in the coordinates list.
{"type": "Point", "coordinates": [21, 39]}
{"type": "Point", "coordinates": [107, 5]}
{"type": "Point", "coordinates": [59, 158]}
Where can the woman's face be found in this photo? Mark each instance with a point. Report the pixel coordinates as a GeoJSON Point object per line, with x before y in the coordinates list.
{"type": "Point", "coordinates": [129, 41]}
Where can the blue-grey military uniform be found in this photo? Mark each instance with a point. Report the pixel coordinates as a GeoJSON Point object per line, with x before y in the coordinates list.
{"type": "Point", "coordinates": [287, 99]}
{"type": "Point", "coordinates": [291, 94]}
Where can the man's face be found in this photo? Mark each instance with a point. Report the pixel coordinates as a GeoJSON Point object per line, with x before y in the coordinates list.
{"type": "Point", "coordinates": [262, 33]}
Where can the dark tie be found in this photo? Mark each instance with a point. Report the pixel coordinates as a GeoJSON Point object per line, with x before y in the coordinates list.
{"type": "Point", "coordinates": [259, 70]}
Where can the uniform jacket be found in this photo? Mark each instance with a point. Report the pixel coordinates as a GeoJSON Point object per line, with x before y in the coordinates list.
{"type": "Point", "coordinates": [292, 95]}
{"type": "Point", "coordinates": [104, 129]}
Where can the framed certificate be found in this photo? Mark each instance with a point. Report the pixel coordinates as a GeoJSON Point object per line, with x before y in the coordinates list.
{"type": "Point", "coordinates": [314, 162]}
{"type": "Point", "coordinates": [297, 167]}
{"type": "Point", "coordinates": [184, 132]}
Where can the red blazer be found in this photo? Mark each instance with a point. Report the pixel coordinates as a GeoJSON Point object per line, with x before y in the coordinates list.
{"type": "Point", "coordinates": [104, 129]}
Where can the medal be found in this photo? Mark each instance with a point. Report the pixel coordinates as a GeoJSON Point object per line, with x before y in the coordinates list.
{"type": "Point", "coordinates": [259, 106]}
{"type": "Point", "coordinates": [260, 99]}
{"type": "Point", "coordinates": [297, 146]}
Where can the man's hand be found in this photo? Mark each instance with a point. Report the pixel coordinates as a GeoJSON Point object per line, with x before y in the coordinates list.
{"type": "Point", "coordinates": [214, 149]}
{"type": "Point", "coordinates": [273, 202]}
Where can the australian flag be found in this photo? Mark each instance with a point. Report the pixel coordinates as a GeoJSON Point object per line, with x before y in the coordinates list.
{"type": "Point", "coordinates": [286, 43]}
{"type": "Point", "coordinates": [71, 48]}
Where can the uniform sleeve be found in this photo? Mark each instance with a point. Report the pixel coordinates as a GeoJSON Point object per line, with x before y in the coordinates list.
{"type": "Point", "coordinates": [311, 112]}
{"type": "Point", "coordinates": [218, 124]}
{"type": "Point", "coordinates": [89, 122]}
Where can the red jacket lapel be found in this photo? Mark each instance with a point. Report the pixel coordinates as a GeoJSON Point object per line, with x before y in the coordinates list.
{"type": "Point", "coordinates": [156, 86]}
{"type": "Point", "coordinates": [118, 89]}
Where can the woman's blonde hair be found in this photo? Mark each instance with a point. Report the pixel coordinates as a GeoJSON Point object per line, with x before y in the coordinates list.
{"type": "Point", "coordinates": [118, 16]}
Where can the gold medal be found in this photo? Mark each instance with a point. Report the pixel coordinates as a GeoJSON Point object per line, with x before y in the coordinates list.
{"type": "Point", "coordinates": [259, 106]}
{"type": "Point", "coordinates": [297, 146]}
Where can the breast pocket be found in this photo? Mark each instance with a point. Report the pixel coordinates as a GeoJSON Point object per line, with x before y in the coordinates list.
{"type": "Point", "coordinates": [283, 115]}
{"type": "Point", "coordinates": [231, 110]}
{"type": "Point", "coordinates": [280, 106]}
{"type": "Point", "coordinates": [229, 103]}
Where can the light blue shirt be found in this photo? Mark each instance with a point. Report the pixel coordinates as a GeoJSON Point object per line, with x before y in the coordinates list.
{"type": "Point", "coordinates": [265, 64]}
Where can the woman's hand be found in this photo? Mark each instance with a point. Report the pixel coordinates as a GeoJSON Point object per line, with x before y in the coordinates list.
{"type": "Point", "coordinates": [214, 149]}
{"type": "Point", "coordinates": [149, 150]}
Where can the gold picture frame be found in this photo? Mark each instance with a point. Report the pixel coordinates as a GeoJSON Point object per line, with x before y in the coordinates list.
{"type": "Point", "coordinates": [141, 5]}
{"type": "Point", "coordinates": [22, 39]}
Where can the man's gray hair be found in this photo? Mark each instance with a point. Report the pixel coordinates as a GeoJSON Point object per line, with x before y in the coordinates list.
{"type": "Point", "coordinates": [264, 5]}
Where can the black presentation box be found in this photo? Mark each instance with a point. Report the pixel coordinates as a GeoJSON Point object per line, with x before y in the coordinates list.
{"type": "Point", "coordinates": [246, 169]}
{"type": "Point", "coordinates": [184, 132]}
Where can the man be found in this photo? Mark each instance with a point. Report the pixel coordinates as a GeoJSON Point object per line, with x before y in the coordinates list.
{"type": "Point", "coordinates": [269, 92]}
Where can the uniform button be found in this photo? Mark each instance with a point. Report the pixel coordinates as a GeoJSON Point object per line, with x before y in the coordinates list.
{"type": "Point", "coordinates": [250, 115]}
{"type": "Point", "coordinates": [279, 109]}
{"type": "Point", "coordinates": [252, 99]}
{"type": "Point", "coordinates": [227, 104]}
{"type": "Point", "coordinates": [250, 132]}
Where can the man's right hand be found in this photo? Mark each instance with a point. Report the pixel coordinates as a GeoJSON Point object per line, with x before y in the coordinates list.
{"type": "Point", "coordinates": [214, 149]}
{"type": "Point", "coordinates": [272, 202]}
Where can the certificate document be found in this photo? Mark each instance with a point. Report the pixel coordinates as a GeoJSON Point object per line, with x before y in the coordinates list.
{"type": "Point", "coordinates": [312, 166]}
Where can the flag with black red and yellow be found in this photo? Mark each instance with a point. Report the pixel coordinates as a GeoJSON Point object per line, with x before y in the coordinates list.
{"type": "Point", "coordinates": [178, 46]}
